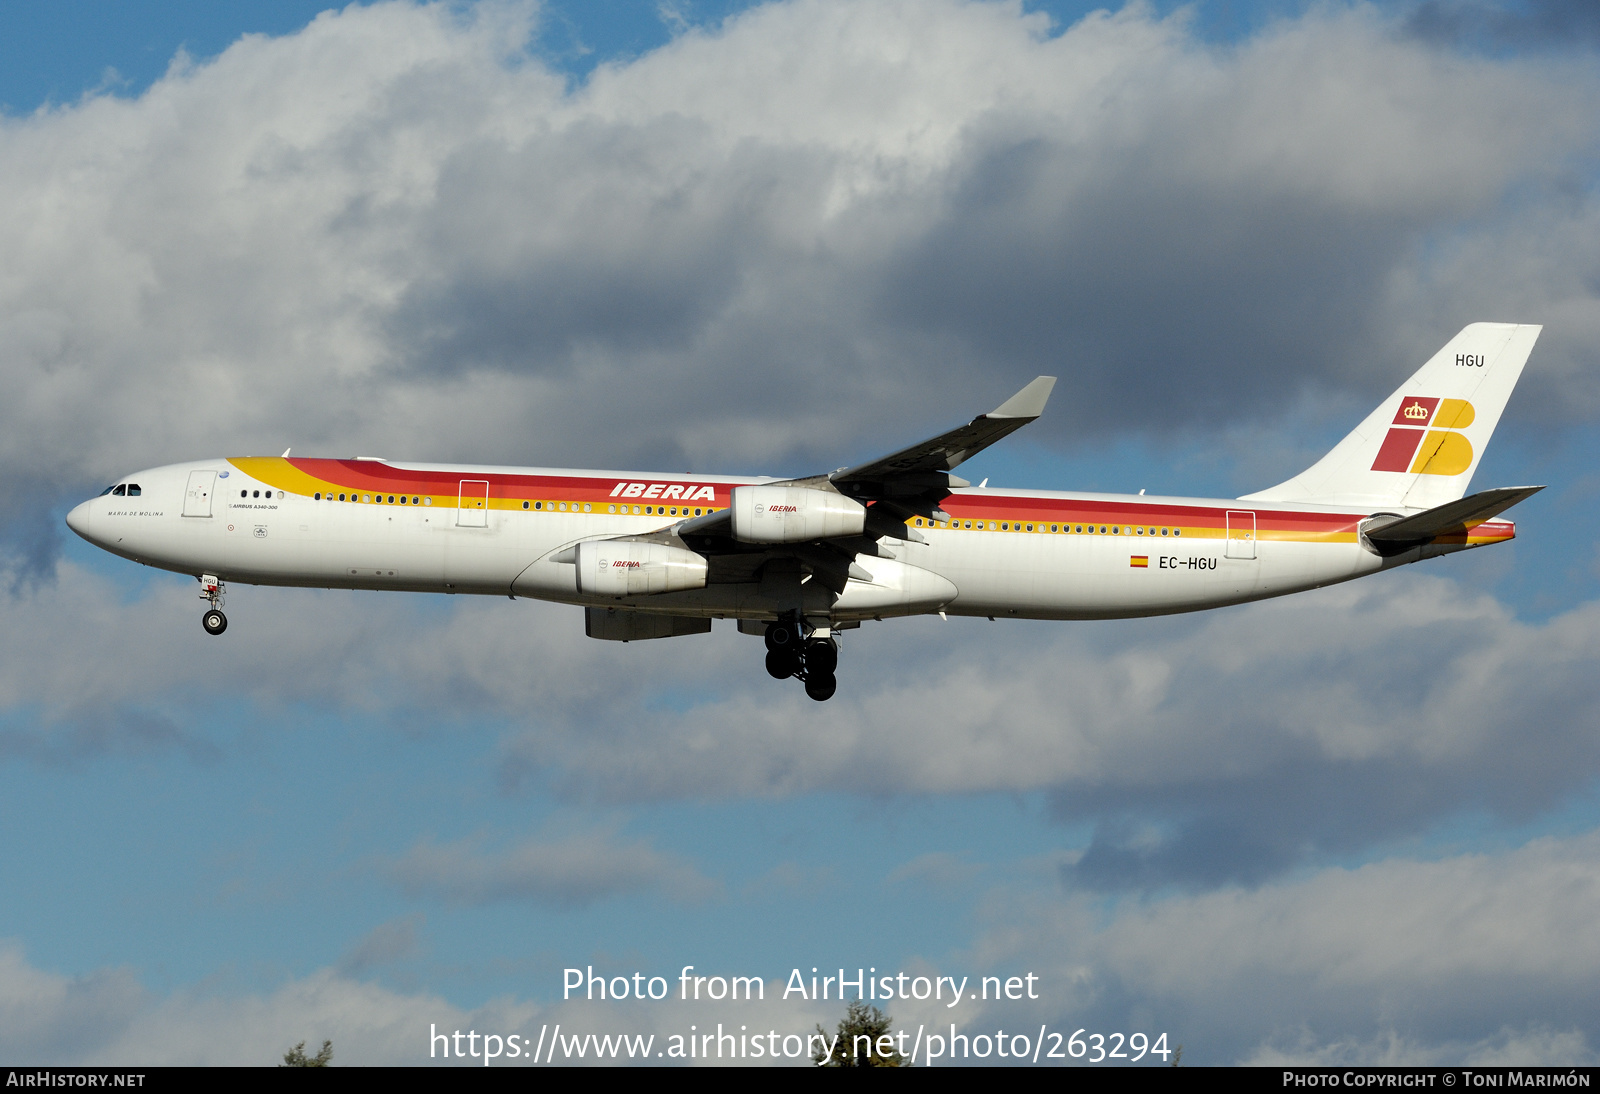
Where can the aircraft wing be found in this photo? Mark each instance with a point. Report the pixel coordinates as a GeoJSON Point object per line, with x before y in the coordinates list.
{"type": "Point", "coordinates": [913, 480]}
{"type": "Point", "coordinates": [929, 460]}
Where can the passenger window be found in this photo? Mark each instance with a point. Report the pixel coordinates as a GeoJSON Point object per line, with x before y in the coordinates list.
{"type": "Point", "coordinates": [525, 505]}
{"type": "Point", "coordinates": [402, 499]}
{"type": "Point", "coordinates": [586, 507]}
{"type": "Point", "coordinates": [391, 499]}
{"type": "Point", "coordinates": [697, 512]}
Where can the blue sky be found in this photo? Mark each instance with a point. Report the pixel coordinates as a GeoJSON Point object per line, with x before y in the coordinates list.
{"type": "Point", "coordinates": [58, 53]}
{"type": "Point", "coordinates": [774, 240]}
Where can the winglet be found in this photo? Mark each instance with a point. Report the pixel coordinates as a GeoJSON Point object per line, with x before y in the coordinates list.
{"type": "Point", "coordinates": [1027, 403]}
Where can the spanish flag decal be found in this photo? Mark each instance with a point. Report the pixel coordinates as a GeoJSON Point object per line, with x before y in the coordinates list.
{"type": "Point", "coordinates": [1141, 561]}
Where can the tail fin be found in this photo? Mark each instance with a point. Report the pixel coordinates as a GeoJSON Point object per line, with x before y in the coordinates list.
{"type": "Point", "coordinates": [1421, 446]}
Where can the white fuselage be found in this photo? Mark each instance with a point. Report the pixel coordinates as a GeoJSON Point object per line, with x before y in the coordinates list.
{"type": "Point", "coordinates": [504, 531]}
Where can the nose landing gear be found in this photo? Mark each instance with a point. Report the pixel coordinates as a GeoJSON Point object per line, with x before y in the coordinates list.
{"type": "Point", "coordinates": [213, 590]}
{"type": "Point", "coordinates": [813, 660]}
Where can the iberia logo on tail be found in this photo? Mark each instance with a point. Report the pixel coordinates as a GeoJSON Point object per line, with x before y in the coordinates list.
{"type": "Point", "coordinates": [1440, 450]}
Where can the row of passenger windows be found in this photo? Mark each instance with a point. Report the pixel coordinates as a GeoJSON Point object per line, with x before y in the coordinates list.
{"type": "Point", "coordinates": [374, 499]}
{"type": "Point", "coordinates": [1070, 529]}
{"type": "Point", "coordinates": [258, 493]}
{"type": "Point", "coordinates": [123, 490]}
{"type": "Point", "coordinates": [542, 506]}
{"type": "Point", "coordinates": [623, 510]}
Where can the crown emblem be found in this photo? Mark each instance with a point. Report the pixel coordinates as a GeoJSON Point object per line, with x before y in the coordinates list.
{"type": "Point", "coordinates": [1416, 412]}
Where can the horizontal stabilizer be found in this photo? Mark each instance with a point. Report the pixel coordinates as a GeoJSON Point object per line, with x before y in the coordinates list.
{"type": "Point", "coordinates": [1452, 517]}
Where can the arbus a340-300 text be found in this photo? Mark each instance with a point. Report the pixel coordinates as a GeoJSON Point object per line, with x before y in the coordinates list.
{"type": "Point", "coordinates": [689, 985]}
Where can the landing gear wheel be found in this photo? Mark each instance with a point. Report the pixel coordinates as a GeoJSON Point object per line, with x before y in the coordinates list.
{"type": "Point", "coordinates": [781, 636]}
{"type": "Point", "coordinates": [821, 686]}
{"type": "Point", "coordinates": [822, 657]}
{"type": "Point", "coordinates": [214, 622]}
{"type": "Point", "coordinates": [783, 663]}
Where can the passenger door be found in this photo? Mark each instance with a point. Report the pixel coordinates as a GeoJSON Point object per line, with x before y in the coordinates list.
{"type": "Point", "coordinates": [197, 495]}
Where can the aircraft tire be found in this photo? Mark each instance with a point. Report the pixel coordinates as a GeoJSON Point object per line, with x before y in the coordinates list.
{"type": "Point", "coordinates": [822, 657]}
{"type": "Point", "coordinates": [214, 622]}
{"type": "Point", "coordinates": [821, 686]}
{"type": "Point", "coordinates": [783, 663]}
{"type": "Point", "coordinates": [780, 636]}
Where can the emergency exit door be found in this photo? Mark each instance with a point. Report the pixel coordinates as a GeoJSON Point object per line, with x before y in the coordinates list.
{"type": "Point", "coordinates": [473, 508]}
{"type": "Point", "coordinates": [1241, 535]}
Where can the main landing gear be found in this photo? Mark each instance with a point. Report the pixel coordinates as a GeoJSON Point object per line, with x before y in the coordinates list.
{"type": "Point", "coordinates": [812, 660]}
{"type": "Point", "coordinates": [216, 592]}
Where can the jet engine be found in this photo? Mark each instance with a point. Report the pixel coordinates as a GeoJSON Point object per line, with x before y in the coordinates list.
{"type": "Point", "coordinates": [630, 567]}
{"type": "Point", "coordinates": [793, 514]}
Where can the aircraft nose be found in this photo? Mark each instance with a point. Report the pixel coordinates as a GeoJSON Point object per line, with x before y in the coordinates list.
{"type": "Point", "coordinates": [79, 520]}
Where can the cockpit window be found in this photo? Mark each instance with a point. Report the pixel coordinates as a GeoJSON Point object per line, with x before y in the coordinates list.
{"type": "Point", "coordinates": [119, 491]}
{"type": "Point", "coordinates": [133, 490]}
{"type": "Point", "coordinates": [107, 490]}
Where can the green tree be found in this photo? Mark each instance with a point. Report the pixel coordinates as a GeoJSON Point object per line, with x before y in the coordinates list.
{"type": "Point", "coordinates": [296, 1056]}
{"type": "Point", "coordinates": [868, 1023]}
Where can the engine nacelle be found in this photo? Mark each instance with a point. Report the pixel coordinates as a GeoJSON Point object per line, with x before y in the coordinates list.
{"type": "Point", "coordinates": [624, 567]}
{"type": "Point", "coordinates": [793, 514]}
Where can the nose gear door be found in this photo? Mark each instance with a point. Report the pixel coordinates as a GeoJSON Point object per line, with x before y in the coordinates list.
{"type": "Point", "coordinates": [197, 496]}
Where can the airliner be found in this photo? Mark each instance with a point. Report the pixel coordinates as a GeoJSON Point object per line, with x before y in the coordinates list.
{"type": "Point", "coordinates": [798, 561]}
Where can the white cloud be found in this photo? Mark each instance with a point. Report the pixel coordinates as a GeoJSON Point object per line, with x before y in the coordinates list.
{"type": "Point", "coordinates": [1481, 958]}
{"type": "Point", "coordinates": [396, 232]}
{"type": "Point", "coordinates": [109, 1019]}
{"type": "Point", "coordinates": [1228, 746]}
